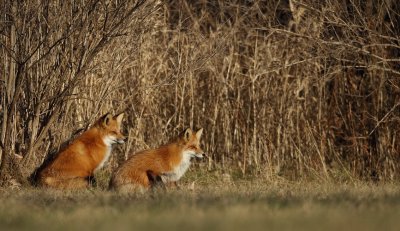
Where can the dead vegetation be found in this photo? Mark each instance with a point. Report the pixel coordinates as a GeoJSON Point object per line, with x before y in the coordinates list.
{"type": "Point", "coordinates": [291, 89]}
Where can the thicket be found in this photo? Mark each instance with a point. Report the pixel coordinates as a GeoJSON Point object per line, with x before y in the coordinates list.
{"type": "Point", "coordinates": [282, 88]}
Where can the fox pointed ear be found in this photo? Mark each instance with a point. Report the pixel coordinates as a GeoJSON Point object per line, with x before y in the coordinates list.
{"type": "Point", "coordinates": [198, 133]}
{"type": "Point", "coordinates": [119, 118]}
{"type": "Point", "coordinates": [187, 134]}
{"type": "Point", "coordinates": [106, 119]}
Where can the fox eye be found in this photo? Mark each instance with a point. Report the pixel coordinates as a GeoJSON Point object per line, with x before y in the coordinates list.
{"type": "Point", "coordinates": [192, 147]}
{"type": "Point", "coordinates": [114, 132]}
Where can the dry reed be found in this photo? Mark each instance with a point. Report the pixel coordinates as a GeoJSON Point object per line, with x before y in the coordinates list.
{"type": "Point", "coordinates": [297, 89]}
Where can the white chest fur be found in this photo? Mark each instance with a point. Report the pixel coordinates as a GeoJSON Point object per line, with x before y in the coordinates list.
{"type": "Point", "coordinates": [108, 141]}
{"type": "Point", "coordinates": [105, 159]}
{"type": "Point", "coordinates": [179, 170]}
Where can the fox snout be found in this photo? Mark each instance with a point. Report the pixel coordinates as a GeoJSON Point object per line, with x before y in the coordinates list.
{"type": "Point", "coordinates": [122, 140]}
{"type": "Point", "coordinates": [200, 155]}
{"type": "Point", "coordinates": [111, 139]}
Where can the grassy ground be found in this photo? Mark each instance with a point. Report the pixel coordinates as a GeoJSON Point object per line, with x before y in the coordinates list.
{"type": "Point", "coordinates": [239, 205]}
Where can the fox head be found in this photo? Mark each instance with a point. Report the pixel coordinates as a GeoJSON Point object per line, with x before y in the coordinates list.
{"type": "Point", "coordinates": [191, 143]}
{"type": "Point", "coordinates": [111, 128]}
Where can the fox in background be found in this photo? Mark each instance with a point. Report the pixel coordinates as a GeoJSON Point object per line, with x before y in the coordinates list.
{"type": "Point", "coordinates": [74, 166]}
{"type": "Point", "coordinates": [165, 164]}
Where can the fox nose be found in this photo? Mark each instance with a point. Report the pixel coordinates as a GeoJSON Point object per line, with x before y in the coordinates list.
{"type": "Point", "coordinates": [201, 156]}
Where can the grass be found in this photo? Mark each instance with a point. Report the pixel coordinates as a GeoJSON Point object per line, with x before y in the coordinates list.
{"type": "Point", "coordinates": [238, 205]}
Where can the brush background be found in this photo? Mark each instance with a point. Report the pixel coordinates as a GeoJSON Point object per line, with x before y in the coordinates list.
{"type": "Point", "coordinates": [283, 89]}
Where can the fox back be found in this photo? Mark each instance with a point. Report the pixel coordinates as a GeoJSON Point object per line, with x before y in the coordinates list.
{"type": "Point", "coordinates": [76, 164]}
{"type": "Point", "coordinates": [167, 163]}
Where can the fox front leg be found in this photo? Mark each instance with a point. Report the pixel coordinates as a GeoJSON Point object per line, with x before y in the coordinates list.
{"type": "Point", "coordinates": [155, 181]}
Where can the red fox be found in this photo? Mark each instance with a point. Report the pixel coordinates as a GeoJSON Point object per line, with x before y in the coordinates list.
{"type": "Point", "coordinates": [167, 163]}
{"type": "Point", "coordinates": [73, 167]}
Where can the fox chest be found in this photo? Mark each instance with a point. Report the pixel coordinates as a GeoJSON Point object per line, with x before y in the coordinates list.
{"type": "Point", "coordinates": [107, 141]}
{"type": "Point", "coordinates": [105, 158]}
{"type": "Point", "coordinates": [178, 171]}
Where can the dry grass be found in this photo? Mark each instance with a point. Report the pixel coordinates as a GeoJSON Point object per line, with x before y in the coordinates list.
{"type": "Point", "coordinates": [256, 205]}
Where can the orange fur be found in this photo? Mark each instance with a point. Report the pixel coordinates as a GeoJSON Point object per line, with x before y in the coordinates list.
{"type": "Point", "coordinates": [169, 162]}
{"type": "Point", "coordinates": [73, 167]}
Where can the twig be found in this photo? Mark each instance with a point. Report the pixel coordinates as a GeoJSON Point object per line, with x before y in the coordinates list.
{"type": "Point", "coordinates": [383, 118]}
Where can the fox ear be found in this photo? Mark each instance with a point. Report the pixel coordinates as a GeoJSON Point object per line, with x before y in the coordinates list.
{"type": "Point", "coordinates": [198, 133]}
{"type": "Point", "coordinates": [119, 118]}
{"type": "Point", "coordinates": [187, 134]}
{"type": "Point", "coordinates": [106, 119]}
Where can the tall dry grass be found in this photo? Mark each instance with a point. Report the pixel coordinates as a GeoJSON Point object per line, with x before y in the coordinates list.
{"type": "Point", "coordinates": [282, 88]}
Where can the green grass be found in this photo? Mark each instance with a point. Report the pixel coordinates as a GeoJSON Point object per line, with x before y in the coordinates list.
{"type": "Point", "coordinates": [239, 205]}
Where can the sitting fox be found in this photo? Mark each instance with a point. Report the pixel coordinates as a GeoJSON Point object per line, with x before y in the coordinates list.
{"type": "Point", "coordinates": [73, 167]}
{"type": "Point", "coordinates": [167, 163]}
